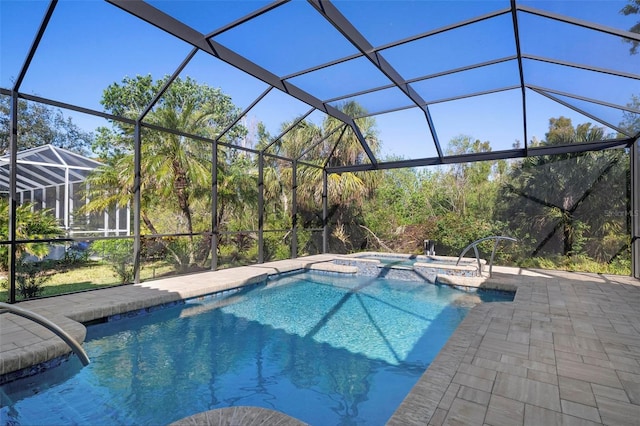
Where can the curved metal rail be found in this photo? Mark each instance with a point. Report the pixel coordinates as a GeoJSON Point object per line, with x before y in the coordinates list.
{"type": "Point", "coordinates": [474, 244]}
{"type": "Point", "coordinates": [73, 344]}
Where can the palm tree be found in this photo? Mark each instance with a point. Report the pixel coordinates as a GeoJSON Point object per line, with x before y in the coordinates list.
{"type": "Point", "coordinates": [350, 188]}
{"type": "Point", "coordinates": [175, 170]}
{"type": "Point", "coordinates": [237, 189]}
{"type": "Point", "coordinates": [349, 151]}
{"type": "Point", "coordinates": [324, 145]}
{"type": "Point", "coordinates": [558, 195]}
{"type": "Point", "coordinates": [336, 149]}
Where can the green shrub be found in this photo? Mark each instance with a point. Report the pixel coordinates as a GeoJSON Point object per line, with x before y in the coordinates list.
{"type": "Point", "coordinates": [119, 253]}
{"type": "Point", "coordinates": [30, 279]}
{"type": "Point", "coordinates": [276, 247]}
{"type": "Point", "coordinates": [578, 263]}
{"type": "Point", "coordinates": [36, 224]}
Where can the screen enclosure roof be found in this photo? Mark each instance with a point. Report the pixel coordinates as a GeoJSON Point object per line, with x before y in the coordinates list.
{"type": "Point", "coordinates": [46, 166]}
{"type": "Point", "coordinates": [427, 71]}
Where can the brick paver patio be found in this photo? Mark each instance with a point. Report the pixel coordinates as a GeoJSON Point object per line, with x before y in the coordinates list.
{"type": "Point", "coordinates": [566, 351]}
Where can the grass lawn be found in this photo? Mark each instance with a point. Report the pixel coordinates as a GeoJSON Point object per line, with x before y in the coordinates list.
{"type": "Point", "coordinates": [90, 276]}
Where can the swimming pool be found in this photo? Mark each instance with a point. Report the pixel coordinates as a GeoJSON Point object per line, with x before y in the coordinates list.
{"type": "Point", "coordinates": [325, 349]}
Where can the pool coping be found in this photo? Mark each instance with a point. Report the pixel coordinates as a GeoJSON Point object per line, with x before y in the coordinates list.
{"type": "Point", "coordinates": [576, 336]}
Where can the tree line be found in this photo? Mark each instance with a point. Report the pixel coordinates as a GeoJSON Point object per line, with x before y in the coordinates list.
{"type": "Point", "coordinates": [567, 210]}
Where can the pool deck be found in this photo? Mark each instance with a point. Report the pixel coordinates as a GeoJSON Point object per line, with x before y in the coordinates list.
{"type": "Point", "coordinates": [566, 351]}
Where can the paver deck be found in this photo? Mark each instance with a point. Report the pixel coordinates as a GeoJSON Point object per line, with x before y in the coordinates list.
{"type": "Point", "coordinates": [566, 351]}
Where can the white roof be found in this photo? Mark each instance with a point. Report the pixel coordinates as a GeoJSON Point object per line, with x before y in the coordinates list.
{"type": "Point", "coordinates": [46, 166]}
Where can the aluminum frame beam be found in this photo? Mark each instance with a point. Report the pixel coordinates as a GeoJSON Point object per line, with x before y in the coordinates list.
{"type": "Point", "coordinates": [70, 107]}
{"type": "Point", "coordinates": [581, 111]}
{"type": "Point", "coordinates": [261, 207]}
{"type": "Point", "coordinates": [325, 211]}
{"type": "Point", "coordinates": [489, 156]}
{"type": "Point", "coordinates": [402, 41]}
{"type": "Point", "coordinates": [247, 18]}
{"type": "Point", "coordinates": [423, 78]}
{"type": "Point", "coordinates": [294, 209]}
{"type": "Point", "coordinates": [13, 202]}
{"type": "Point", "coordinates": [168, 83]}
{"type": "Point", "coordinates": [288, 129]}
{"type": "Point", "coordinates": [167, 23]}
{"type": "Point", "coordinates": [34, 45]}
{"type": "Point", "coordinates": [583, 98]}
{"type": "Point", "coordinates": [579, 22]}
{"type": "Point", "coordinates": [242, 114]}
{"type": "Point", "coordinates": [13, 149]}
{"type": "Point", "coordinates": [348, 30]}
{"type": "Point", "coordinates": [214, 207]}
{"type": "Point", "coordinates": [581, 66]}
{"type": "Point", "coordinates": [306, 151]}
{"type": "Point", "coordinates": [523, 90]}
{"type": "Point", "coordinates": [335, 146]}
{"type": "Point", "coordinates": [635, 208]}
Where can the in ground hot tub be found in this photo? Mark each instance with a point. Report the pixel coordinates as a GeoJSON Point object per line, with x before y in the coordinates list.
{"type": "Point", "coordinates": [410, 267]}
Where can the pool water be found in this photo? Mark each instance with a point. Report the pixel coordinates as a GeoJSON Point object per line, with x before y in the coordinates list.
{"type": "Point", "coordinates": [391, 261]}
{"type": "Point", "coordinates": [324, 349]}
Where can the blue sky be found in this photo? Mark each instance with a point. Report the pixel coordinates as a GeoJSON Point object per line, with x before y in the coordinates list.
{"type": "Point", "coordinates": [90, 44]}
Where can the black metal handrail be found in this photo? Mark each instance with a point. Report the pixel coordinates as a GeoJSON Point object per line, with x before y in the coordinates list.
{"type": "Point", "coordinates": [474, 244]}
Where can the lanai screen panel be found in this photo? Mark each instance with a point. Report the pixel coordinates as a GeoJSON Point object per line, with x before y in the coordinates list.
{"type": "Point", "coordinates": [443, 60]}
{"type": "Point", "coordinates": [496, 71]}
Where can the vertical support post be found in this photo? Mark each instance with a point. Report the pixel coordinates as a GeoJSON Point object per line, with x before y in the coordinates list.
{"type": "Point", "coordinates": [294, 209]}
{"type": "Point", "coordinates": [635, 209]}
{"type": "Point", "coordinates": [117, 227]}
{"type": "Point", "coordinates": [87, 216]}
{"type": "Point", "coordinates": [128, 230]}
{"type": "Point", "coordinates": [137, 242]}
{"type": "Point", "coordinates": [105, 219]}
{"type": "Point", "coordinates": [13, 150]}
{"type": "Point", "coordinates": [214, 206]}
{"type": "Point", "coordinates": [325, 212]}
{"type": "Point", "coordinates": [70, 208]}
{"type": "Point", "coordinates": [58, 215]}
{"type": "Point", "coordinates": [13, 171]}
{"type": "Point", "coordinates": [65, 205]}
{"type": "Point", "coordinates": [261, 207]}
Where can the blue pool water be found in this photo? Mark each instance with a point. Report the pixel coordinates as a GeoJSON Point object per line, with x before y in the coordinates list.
{"type": "Point", "coordinates": [324, 349]}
